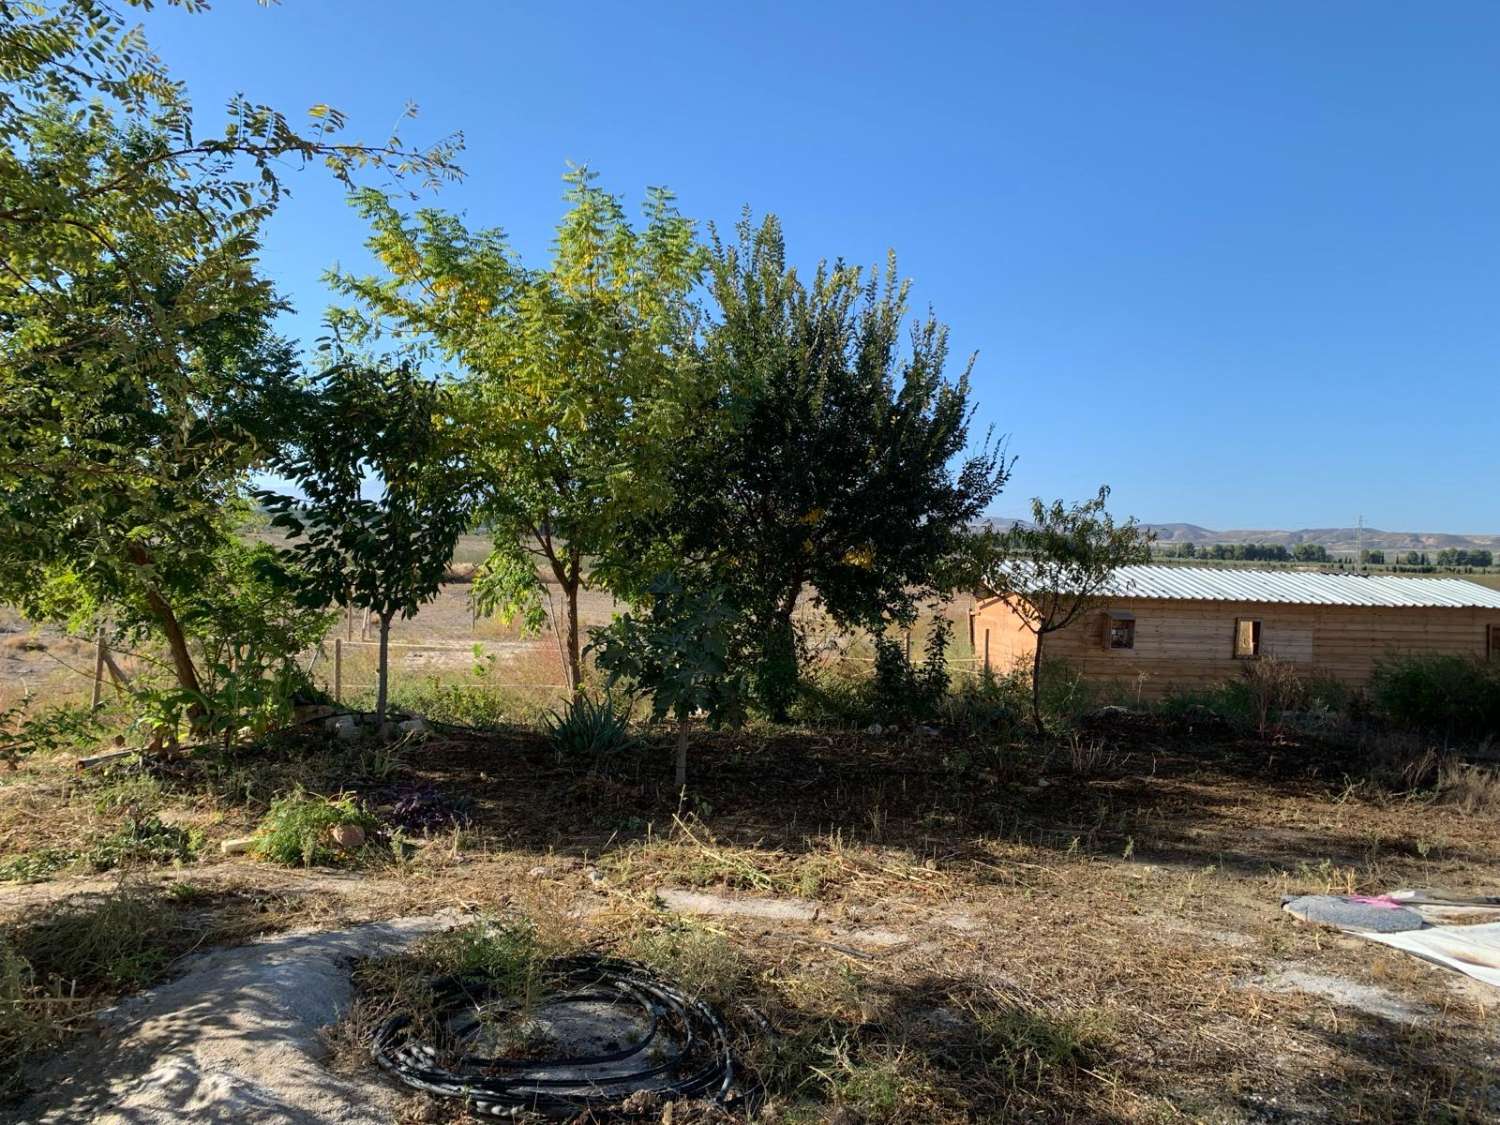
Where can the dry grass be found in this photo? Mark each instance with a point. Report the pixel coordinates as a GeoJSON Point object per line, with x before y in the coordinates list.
{"type": "Point", "coordinates": [1015, 931]}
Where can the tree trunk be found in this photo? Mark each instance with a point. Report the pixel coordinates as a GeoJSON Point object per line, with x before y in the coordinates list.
{"type": "Point", "coordinates": [383, 675]}
{"type": "Point", "coordinates": [575, 663]}
{"type": "Point", "coordinates": [1036, 686]}
{"type": "Point", "coordinates": [182, 657]}
{"type": "Point", "coordinates": [778, 664]}
{"type": "Point", "coordinates": [682, 745]}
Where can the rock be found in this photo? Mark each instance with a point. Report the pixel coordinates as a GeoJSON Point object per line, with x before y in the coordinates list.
{"type": "Point", "coordinates": [237, 846]}
{"type": "Point", "coordinates": [874, 728]}
{"type": "Point", "coordinates": [930, 732]}
{"type": "Point", "coordinates": [414, 726]}
{"type": "Point", "coordinates": [350, 837]}
{"type": "Point", "coordinates": [779, 909]}
{"type": "Point", "coordinates": [594, 876]}
{"type": "Point", "coordinates": [539, 872]}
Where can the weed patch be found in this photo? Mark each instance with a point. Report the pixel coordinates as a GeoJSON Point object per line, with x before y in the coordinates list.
{"type": "Point", "coordinates": [301, 829]}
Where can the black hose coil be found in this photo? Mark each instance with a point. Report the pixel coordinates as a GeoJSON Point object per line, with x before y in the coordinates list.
{"type": "Point", "coordinates": [681, 1051]}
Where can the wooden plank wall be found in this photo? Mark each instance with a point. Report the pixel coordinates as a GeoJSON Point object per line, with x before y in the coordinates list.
{"type": "Point", "coordinates": [1190, 644]}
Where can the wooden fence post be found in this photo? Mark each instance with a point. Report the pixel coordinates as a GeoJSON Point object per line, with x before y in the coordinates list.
{"type": "Point", "coordinates": [338, 669]}
{"type": "Point", "coordinates": [98, 671]}
{"type": "Point", "coordinates": [986, 654]}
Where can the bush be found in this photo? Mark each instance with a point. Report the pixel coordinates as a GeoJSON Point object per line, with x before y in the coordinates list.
{"type": "Point", "coordinates": [904, 692]}
{"type": "Point", "coordinates": [589, 728]}
{"type": "Point", "coordinates": [298, 829]}
{"type": "Point", "coordinates": [463, 704]}
{"type": "Point", "coordinates": [987, 708]}
{"type": "Point", "coordinates": [1452, 697]}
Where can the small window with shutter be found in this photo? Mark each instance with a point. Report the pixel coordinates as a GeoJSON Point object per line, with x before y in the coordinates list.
{"type": "Point", "coordinates": [1246, 638]}
{"type": "Point", "coordinates": [1119, 629]}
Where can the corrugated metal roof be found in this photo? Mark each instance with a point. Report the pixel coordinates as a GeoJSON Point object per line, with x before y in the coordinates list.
{"type": "Point", "coordinates": [1298, 587]}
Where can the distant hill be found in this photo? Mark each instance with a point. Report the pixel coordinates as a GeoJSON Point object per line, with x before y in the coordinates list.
{"type": "Point", "coordinates": [1333, 538]}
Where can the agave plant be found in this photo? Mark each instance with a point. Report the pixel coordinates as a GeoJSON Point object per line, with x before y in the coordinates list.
{"type": "Point", "coordinates": [589, 728]}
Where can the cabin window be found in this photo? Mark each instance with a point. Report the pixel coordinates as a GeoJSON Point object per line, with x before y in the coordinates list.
{"type": "Point", "coordinates": [1246, 638]}
{"type": "Point", "coordinates": [1119, 629]}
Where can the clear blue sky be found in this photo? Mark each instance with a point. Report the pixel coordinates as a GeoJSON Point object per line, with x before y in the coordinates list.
{"type": "Point", "coordinates": [1239, 260]}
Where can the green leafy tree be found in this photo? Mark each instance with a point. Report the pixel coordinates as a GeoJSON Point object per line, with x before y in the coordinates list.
{"type": "Point", "coordinates": [1053, 571]}
{"type": "Point", "coordinates": [827, 460]}
{"type": "Point", "coordinates": [368, 426]}
{"type": "Point", "coordinates": [578, 379]}
{"type": "Point", "coordinates": [680, 652]}
{"type": "Point", "coordinates": [135, 333]}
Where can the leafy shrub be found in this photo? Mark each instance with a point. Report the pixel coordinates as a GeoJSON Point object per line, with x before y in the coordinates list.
{"type": "Point", "coordinates": [902, 691]}
{"type": "Point", "coordinates": [45, 732]}
{"type": "Point", "coordinates": [833, 696]}
{"type": "Point", "coordinates": [463, 704]}
{"type": "Point", "coordinates": [589, 728]}
{"type": "Point", "coordinates": [1452, 697]}
{"type": "Point", "coordinates": [298, 829]}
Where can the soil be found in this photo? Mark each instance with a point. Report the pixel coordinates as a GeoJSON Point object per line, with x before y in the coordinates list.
{"type": "Point", "coordinates": [887, 885]}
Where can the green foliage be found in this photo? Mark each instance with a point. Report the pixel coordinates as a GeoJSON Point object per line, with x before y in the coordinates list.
{"type": "Point", "coordinates": [589, 729]}
{"type": "Point", "coordinates": [903, 692]}
{"type": "Point", "coordinates": [373, 421]}
{"type": "Point", "coordinates": [143, 839]}
{"type": "Point", "coordinates": [578, 377]}
{"type": "Point", "coordinates": [140, 366]}
{"type": "Point", "coordinates": [824, 458]}
{"type": "Point", "coordinates": [508, 952]}
{"type": "Point", "coordinates": [988, 708]}
{"type": "Point", "coordinates": [34, 866]}
{"type": "Point", "coordinates": [298, 829]}
{"type": "Point", "coordinates": [47, 732]}
{"type": "Point", "coordinates": [1452, 697]}
{"type": "Point", "coordinates": [468, 704]}
{"type": "Point", "coordinates": [1054, 570]}
{"type": "Point", "coordinates": [680, 653]}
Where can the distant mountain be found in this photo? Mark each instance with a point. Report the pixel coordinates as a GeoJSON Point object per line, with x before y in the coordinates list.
{"type": "Point", "coordinates": [1333, 538]}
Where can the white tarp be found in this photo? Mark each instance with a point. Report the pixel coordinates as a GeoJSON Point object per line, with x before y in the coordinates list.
{"type": "Point", "coordinates": [1473, 950]}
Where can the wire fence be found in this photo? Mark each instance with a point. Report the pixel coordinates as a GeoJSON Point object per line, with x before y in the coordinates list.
{"type": "Point", "coordinates": [353, 665]}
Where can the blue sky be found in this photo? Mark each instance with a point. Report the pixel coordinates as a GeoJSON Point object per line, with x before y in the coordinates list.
{"type": "Point", "coordinates": [1238, 260]}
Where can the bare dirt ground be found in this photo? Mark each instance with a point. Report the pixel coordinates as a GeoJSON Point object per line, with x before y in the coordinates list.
{"type": "Point", "coordinates": [932, 930]}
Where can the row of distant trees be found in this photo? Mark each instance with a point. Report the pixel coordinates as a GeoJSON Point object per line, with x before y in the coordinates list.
{"type": "Point", "coordinates": [1452, 558]}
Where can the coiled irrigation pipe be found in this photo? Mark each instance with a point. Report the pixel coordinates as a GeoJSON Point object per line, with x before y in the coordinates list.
{"type": "Point", "coordinates": [679, 1047]}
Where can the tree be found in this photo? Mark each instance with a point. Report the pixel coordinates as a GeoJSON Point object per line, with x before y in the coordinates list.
{"type": "Point", "coordinates": [370, 424]}
{"type": "Point", "coordinates": [136, 348]}
{"type": "Point", "coordinates": [577, 379]}
{"type": "Point", "coordinates": [1054, 571]}
{"type": "Point", "coordinates": [826, 459]}
{"type": "Point", "coordinates": [681, 654]}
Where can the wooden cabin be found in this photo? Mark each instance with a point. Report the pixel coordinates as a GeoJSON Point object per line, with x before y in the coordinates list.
{"type": "Point", "coordinates": [1165, 627]}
